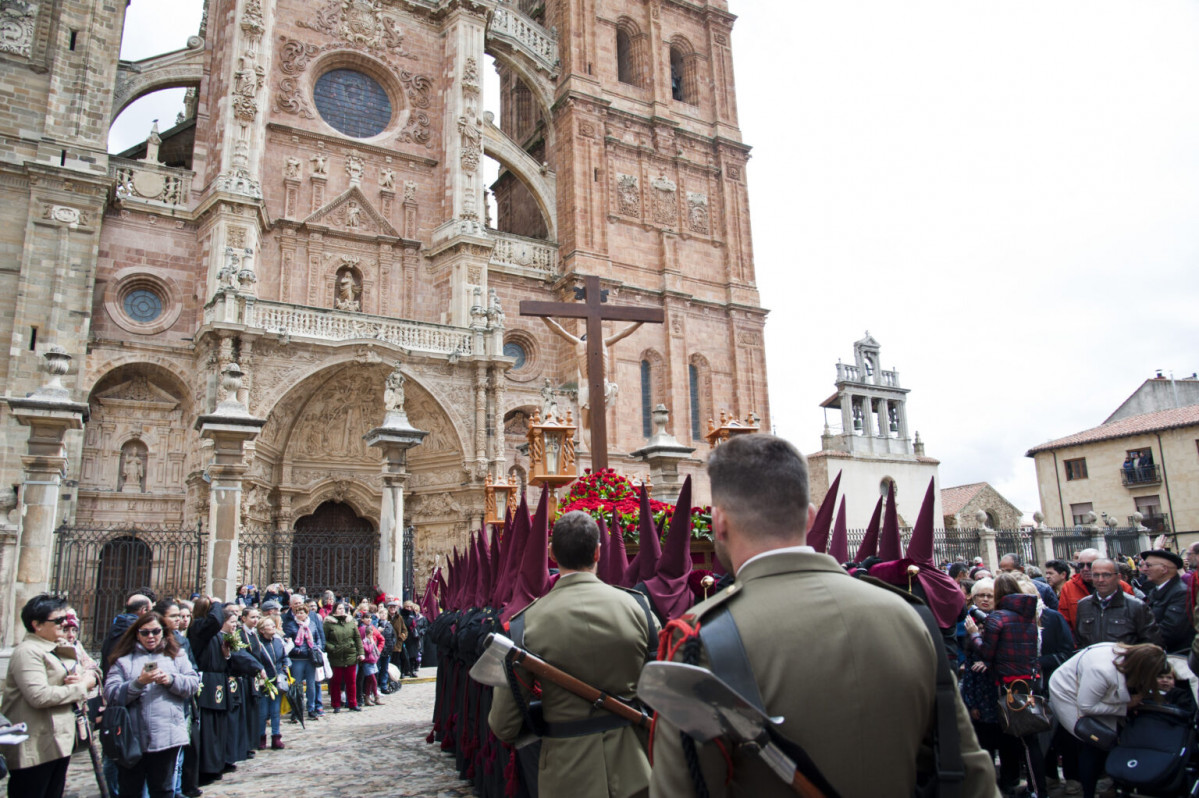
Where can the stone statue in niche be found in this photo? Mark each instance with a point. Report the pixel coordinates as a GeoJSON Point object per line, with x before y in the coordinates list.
{"type": "Point", "coordinates": [349, 293]}
{"type": "Point", "coordinates": [133, 472]}
{"type": "Point", "coordinates": [409, 191]}
{"type": "Point", "coordinates": [549, 402]}
{"type": "Point", "coordinates": [354, 169]}
{"type": "Point", "coordinates": [292, 170]}
{"type": "Point", "coordinates": [393, 393]}
{"type": "Point", "coordinates": [387, 179]}
{"type": "Point", "coordinates": [320, 164]}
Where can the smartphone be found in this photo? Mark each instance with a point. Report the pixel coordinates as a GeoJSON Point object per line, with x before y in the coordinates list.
{"type": "Point", "coordinates": [150, 667]}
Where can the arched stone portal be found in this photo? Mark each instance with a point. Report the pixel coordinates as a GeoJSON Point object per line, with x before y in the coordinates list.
{"type": "Point", "coordinates": [311, 457]}
{"type": "Point", "coordinates": [335, 549]}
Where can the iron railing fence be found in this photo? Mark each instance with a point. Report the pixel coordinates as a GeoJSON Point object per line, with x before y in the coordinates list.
{"type": "Point", "coordinates": [344, 560]}
{"type": "Point", "coordinates": [97, 567]}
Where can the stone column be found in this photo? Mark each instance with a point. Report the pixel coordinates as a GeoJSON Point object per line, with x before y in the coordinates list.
{"type": "Point", "coordinates": [987, 542]}
{"type": "Point", "coordinates": [49, 413]}
{"type": "Point", "coordinates": [393, 440]}
{"type": "Point", "coordinates": [664, 453]}
{"type": "Point", "coordinates": [229, 428]}
{"type": "Point", "coordinates": [1042, 538]}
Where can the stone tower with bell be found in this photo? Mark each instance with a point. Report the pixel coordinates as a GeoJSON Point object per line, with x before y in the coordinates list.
{"type": "Point", "coordinates": [868, 439]}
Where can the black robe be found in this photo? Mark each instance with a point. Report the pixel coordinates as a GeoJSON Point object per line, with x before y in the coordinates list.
{"type": "Point", "coordinates": [214, 719]}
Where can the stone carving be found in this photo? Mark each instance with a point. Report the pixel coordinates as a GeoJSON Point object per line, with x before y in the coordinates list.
{"type": "Point", "coordinates": [393, 392]}
{"type": "Point", "coordinates": [17, 21]}
{"type": "Point", "coordinates": [549, 403]}
{"type": "Point", "coordinates": [150, 183]}
{"type": "Point", "coordinates": [290, 99]}
{"type": "Point", "coordinates": [294, 56]}
{"type": "Point", "coordinates": [133, 472]}
{"type": "Point", "coordinates": [246, 83]}
{"type": "Point", "coordinates": [628, 195]}
{"type": "Point", "coordinates": [238, 180]}
{"type": "Point", "coordinates": [64, 214]}
{"type": "Point", "coordinates": [750, 338]}
{"type": "Point", "coordinates": [354, 169]}
{"type": "Point", "coordinates": [359, 23]}
{"type": "Point", "coordinates": [349, 291]}
{"type": "Point", "coordinates": [495, 311]}
{"type": "Point", "coordinates": [734, 172]}
{"type": "Point", "coordinates": [665, 206]}
{"type": "Point", "coordinates": [472, 144]}
{"type": "Point", "coordinates": [387, 179]}
{"type": "Point", "coordinates": [409, 191]}
{"type": "Point", "coordinates": [470, 72]}
{"type": "Point", "coordinates": [320, 164]}
{"type": "Point", "coordinates": [237, 237]}
{"type": "Point", "coordinates": [697, 212]}
{"type": "Point", "coordinates": [251, 19]}
{"type": "Point", "coordinates": [291, 170]}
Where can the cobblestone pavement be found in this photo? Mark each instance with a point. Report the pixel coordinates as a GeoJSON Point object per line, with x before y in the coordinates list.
{"type": "Point", "coordinates": [378, 752]}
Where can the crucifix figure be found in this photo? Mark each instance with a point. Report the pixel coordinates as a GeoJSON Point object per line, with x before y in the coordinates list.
{"type": "Point", "coordinates": [592, 350]}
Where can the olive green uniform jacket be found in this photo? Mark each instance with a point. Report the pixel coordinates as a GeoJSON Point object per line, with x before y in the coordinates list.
{"type": "Point", "coordinates": [343, 644]}
{"type": "Point", "coordinates": [851, 669]}
{"type": "Point", "coordinates": [598, 634]}
{"type": "Point", "coordinates": [35, 693]}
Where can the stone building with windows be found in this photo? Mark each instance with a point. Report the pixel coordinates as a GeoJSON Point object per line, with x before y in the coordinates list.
{"type": "Point", "coordinates": [1143, 459]}
{"type": "Point", "coordinates": [962, 503]}
{"type": "Point", "coordinates": [318, 215]}
{"type": "Point", "coordinates": [869, 443]}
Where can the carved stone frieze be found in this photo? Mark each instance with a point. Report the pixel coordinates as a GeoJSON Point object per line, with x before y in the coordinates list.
{"type": "Point", "coordinates": [358, 23]}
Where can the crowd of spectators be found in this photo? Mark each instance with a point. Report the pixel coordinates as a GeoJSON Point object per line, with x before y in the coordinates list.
{"type": "Point", "coordinates": [1092, 634]}
{"type": "Point", "coordinates": [202, 680]}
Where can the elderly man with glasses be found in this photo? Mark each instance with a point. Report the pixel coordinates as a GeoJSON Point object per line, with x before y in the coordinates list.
{"type": "Point", "coordinates": [1166, 596]}
{"type": "Point", "coordinates": [1080, 586]}
{"type": "Point", "coordinates": [1110, 615]}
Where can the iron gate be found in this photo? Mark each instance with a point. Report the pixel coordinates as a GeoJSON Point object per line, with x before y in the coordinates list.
{"type": "Point", "coordinates": [344, 560]}
{"type": "Point", "coordinates": [948, 544]}
{"type": "Point", "coordinates": [1014, 541]}
{"type": "Point", "coordinates": [97, 567]}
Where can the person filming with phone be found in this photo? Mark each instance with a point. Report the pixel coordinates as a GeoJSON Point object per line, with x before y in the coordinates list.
{"type": "Point", "coordinates": [153, 679]}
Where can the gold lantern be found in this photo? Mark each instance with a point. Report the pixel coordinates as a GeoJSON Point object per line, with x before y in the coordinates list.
{"type": "Point", "coordinates": [499, 497]}
{"type": "Point", "coordinates": [729, 427]}
{"type": "Point", "coordinates": [551, 453]}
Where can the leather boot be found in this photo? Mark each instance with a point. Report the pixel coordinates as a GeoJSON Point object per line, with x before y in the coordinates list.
{"type": "Point", "coordinates": [262, 743]}
{"type": "Point", "coordinates": [277, 742]}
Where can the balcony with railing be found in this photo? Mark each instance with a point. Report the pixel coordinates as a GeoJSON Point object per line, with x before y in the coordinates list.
{"type": "Point", "coordinates": [531, 257]}
{"type": "Point", "coordinates": [153, 184]}
{"type": "Point", "coordinates": [324, 324]}
{"type": "Point", "coordinates": [1159, 522]}
{"type": "Point", "coordinates": [1140, 476]}
{"type": "Point", "coordinates": [848, 373]}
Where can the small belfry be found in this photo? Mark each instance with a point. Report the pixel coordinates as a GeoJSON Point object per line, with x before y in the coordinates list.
{"type": "Point", "coordinates": [870, 438]}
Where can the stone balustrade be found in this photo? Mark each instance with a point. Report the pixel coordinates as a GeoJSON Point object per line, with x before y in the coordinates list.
{"type": "Point", "coordinates": [298, 321]}
{"type": "Point", "coordinates": [525, 34]}
{"type": "Point", "coordinates": [523, 255]}
{"type": "Point", "coordinates": [162, 186]}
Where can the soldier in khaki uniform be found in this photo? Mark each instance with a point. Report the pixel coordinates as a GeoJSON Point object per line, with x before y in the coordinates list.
{"type": "Point", "coordinates": [598, 634]}
{"type": "Point", "coordinates": [850, 666]}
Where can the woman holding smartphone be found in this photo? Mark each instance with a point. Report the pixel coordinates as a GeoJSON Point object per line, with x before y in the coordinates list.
{"type": "Point", "coordinates": [151, 677]}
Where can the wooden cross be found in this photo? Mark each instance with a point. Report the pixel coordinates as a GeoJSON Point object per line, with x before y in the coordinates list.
{"type": "Point", "coordinates": [594, 309]}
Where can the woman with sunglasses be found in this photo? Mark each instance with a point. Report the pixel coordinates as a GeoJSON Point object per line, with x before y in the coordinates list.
{"type": "Point", "coordinates": [152, 677]}
{"type": "Point", "coordinates": [41, 690]}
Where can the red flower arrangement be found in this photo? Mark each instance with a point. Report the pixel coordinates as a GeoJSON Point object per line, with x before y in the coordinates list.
{"type": "Point", "coordinates": [612, 497]}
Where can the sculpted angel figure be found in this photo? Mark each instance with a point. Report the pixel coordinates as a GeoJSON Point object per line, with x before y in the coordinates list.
{"type": "Point", "coordinates": [393, 393]}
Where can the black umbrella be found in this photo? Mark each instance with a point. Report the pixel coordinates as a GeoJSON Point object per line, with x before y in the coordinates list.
{"type": "Point", "coordinates": [295, 697]}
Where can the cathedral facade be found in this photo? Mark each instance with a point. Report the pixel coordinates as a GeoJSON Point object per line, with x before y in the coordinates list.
{"type": "Point", "coordinates": [318, 214]}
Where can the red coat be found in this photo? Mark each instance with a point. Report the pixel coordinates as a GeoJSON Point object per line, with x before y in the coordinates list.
{"type": "Point", "coordinates": [1074, 591]}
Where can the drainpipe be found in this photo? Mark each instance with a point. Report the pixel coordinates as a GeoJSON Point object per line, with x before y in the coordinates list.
{"type": "Point", "coordinates": [1060, 506]}
{"type": "Point", "coordinates": [1166, 480]}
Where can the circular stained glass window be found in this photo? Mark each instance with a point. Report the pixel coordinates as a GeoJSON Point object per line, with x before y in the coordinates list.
{"type": "Point", "coordinates": [143, 305]}
{"type": "Point", "coordinates": [515, 350]}
{"type": "Point", "coordinates": [352, 103]}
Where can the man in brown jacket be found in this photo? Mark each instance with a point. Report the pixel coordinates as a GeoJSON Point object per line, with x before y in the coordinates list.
{"type": "Point", "coordinates": [849, 665]}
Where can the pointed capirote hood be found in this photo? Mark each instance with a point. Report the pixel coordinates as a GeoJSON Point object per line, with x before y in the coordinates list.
{"type": "Point", "coordinates": [495, 559]}
{"type": "Point", "coordinates": [941, 592]}
{"type": "Point", "coordinates": [533, 579]}
{"type": "Point", "coordinates": [470, 595]}
{"type": "Point", "coordinates": [818, 534]}
{"type": "Point", "coordinates": [483, 554]}
{"type": "Point", "coordinates": [515, 533]}
{"type": "Point", "coordinates": [649, 550]}
{"type": "Point", "coordinates": [869, 547]}
{"type": "Point", "coordinates": [888, 545]}
{"type": "Point", "coordinates": [428, 599]}
{"type": "Point", "coordinates": [618, 559]}
{"type": "Point", "coordinates": [838, 547]}
{"type": "Point", "coordinates": [453, 581]}
{"type": "Point", "coordinates": [668, 587]}
{"type": "Point", "coordinates": [920, 547]}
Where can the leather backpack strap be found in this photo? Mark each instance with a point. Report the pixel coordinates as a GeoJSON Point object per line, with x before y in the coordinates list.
{"type": "Point", "coordinates": [727, 657]}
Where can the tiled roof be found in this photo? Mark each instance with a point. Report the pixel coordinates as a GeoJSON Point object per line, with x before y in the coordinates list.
{"type": "Point", "coordinates": [1174, 418]}
{"type": "Point", "coordinates": [954, 499]}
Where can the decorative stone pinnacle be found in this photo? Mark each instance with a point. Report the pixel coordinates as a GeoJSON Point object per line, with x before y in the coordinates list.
{"type": "Point", "coordinates": [56, 363]}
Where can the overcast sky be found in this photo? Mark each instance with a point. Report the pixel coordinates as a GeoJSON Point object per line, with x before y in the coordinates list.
{"type": "Point", "coordinates": [1004, 194]}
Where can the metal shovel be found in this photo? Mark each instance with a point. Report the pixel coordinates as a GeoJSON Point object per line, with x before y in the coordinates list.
{"type": "Point", "coordinates": [705, 707]}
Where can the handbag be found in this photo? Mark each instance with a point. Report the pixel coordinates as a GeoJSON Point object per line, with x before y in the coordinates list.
{"type": "Point", "coordinates": [119, 736]}
{"type": "Point", "coordinates": [1094, 732]}
{"type": "Point", "coordinates": [1022, 712]}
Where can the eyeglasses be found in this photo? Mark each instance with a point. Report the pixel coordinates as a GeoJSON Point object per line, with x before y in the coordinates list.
{"type": "Point", "coordinates": [1083, 566]}
{"type": "Point", "coordinates": [59, 621]}
{"type": "Point", "coordinates": [148, 632]}
{"type": "Point", "coordinates": [984, 595]}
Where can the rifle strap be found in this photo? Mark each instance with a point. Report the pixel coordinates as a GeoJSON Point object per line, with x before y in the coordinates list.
{"type": "Point", "coordinates": [947, 744]}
